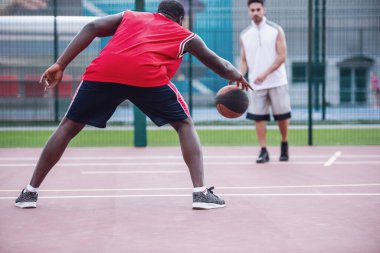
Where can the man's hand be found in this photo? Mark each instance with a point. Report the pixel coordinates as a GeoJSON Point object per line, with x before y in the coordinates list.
{"type": "Point", "coordinates": [244, 84]}
{"type": "Point", "coordinates": [260, 79]}
{"type": "Point", "coordinates": [52, 76]}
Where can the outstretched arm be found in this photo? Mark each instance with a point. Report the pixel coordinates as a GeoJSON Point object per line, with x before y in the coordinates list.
{"type": "Point", "coordinates": [101, 27]}
{"type": "Point", "coordinates": [220, 66]}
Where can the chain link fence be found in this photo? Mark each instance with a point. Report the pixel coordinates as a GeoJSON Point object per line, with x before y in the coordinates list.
{"type": "Point", "coordinates": [345, 88]}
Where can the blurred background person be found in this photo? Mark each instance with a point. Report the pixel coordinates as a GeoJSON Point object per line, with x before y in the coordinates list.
{"type": "Point", "coordinates": [263, 56]}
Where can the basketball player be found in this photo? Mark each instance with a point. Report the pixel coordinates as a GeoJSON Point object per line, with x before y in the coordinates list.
{"type": "Point", "coordinates": [137, 64]}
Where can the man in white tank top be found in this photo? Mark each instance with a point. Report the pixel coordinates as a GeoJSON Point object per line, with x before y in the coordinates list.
{"type": "Point", "coordinates": [263, 55]}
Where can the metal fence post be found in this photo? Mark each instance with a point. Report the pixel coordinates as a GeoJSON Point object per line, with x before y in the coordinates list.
{"type": "Point", "coordinates": [139, 124]}
{"type": "Point", "coordinates": [310, 73]}
{"type": "Point", "coordinates": [324, 59]}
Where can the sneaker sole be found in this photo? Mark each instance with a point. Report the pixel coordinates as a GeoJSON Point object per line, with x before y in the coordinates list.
{"type": "Point", "coordinates": [206, 206]}
{"type": "Point", "coordinates": [262, 161]}
{"type": "Point", "coordinates": [26, 204]}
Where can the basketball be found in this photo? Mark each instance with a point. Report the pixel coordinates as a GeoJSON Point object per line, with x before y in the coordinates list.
{"type": "Point", "coordinates": [231, 101]}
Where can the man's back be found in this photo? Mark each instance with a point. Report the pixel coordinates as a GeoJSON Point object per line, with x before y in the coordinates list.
{"type": "Point", "coordinates": [146, 50]}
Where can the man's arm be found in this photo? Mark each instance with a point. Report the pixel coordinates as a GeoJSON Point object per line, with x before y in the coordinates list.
{"type": "Point", "coordinates": [280, 59]}
{"type": "Point", "coordinates": [101, 27]}
{"type": "Point", "coordinates": [243, 68]}
{"type": "Point", "coordinates": [220, 66]}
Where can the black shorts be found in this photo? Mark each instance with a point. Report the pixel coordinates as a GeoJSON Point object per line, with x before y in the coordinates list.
{"type": "Point", "coordinates": [95, 102]}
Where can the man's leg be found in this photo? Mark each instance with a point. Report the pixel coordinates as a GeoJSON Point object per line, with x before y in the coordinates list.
{"type": "Point", "coordinates": [283, 126]}
{"type": "Point", "coordinates": [50, 155]}
{"type": "Point", "coordinates": [261, 132]}
{"type": "Point", "coordinates": [203, 198]}
{"type": "Point", "coordinates": [191, 150]}
{"type": "Point", "coordinates": [281, 113]}
{"type": "Point", "coordinates": [258, 111]}
{"type": "Point", "coordinates": [54, 149]}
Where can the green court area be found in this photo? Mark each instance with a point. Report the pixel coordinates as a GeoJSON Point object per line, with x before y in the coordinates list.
{"type": "Point", "coordinates": [209, 137]}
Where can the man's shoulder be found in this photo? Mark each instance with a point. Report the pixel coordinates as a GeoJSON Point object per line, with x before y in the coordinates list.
{"type": "Point", "coordinates": [274, 25]}
{"type": "Point", "coordinates": [246, 30]}
{"type": "Point", "coordinates": [135, 14]}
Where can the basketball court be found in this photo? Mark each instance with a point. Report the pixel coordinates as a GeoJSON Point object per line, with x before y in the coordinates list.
{"type": "Point", "coordinates": [325, 199]}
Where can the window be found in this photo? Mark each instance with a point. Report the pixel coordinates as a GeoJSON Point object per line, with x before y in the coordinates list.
{"type": "Point", "coordinates": [299, 72]}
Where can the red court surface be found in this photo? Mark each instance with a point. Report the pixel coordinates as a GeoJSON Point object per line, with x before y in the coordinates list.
{"type": "Point", "coordinates": [325, 199]}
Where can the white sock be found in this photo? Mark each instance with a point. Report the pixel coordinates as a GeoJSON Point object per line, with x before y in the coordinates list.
{"type": "Point", "coordinates": [30, 188]}
{"type": "Point", "coordinates": [201, 189]}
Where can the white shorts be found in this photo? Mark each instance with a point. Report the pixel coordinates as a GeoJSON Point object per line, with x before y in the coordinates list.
{"type": "Point", "coordinates": [274, 99]}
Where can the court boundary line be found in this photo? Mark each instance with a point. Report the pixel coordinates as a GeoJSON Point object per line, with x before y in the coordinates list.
{"type": "Point", "coordinates": [219, 188]}
{"type": "Point", "coordinates": [128, 157]}
{"type": "Point", "coordinates": [132, 172]}
{"type": "Point", "coordinates": [332, 159]}
{"type": "Point", "coordinates": [221, 194]}
{"type": "Point", "coordinates": [183, 163]}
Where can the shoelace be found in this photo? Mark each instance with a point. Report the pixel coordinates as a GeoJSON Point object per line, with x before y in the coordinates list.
{"type": "Point", "coordinates": [210, 190]}
{"type": "Point", "coordinates": [28, 195]}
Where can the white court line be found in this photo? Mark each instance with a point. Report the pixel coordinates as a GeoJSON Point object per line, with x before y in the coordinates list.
{"type": "Point", "coordinates": [357, 162]}
{"type": "Point", "coordinates": [152, 164]}
{"type": "Point", "coordinates": [97, 164]}
{"type": "Point", "coordinates": [219, 187]}
{"type": "Point", "coordinates": [189, 195]}
{"type": "Point", "coordinates": [133, 172]}
{"type": "Point", "coordinates": [221, 163]}
{"type": "Point", "coordinates": [332, 159]}
{"type": "Point", "coordinates": [225, 157]}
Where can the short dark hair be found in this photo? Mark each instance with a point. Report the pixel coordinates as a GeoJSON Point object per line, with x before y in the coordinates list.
{"type": "Point", "coordinates": [171, 8]}
{"type": "Point", "coordinates": [249, 2]}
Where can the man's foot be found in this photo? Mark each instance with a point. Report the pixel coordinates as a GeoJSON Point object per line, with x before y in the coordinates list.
{"type": "Point", "coordinates": [263, 157]}
{"type": "Point", "coordinates": [284, 152]}
{"type": "Point", "coordinates": [27, 199]}
{"type": "Point", "coordinates": [203, 201]}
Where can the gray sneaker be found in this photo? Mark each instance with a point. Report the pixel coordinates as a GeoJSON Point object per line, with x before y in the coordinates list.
{"type": "Point", "coordinates": [207, 201]}
{"type": "Point", "coordinates": [27, 199]}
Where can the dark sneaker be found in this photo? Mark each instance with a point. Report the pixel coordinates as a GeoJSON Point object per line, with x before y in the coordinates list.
{"type": "Point", "coordinates": [263, 157]}
{"type": "Point", "coordinates": [207, 201]}
{"type": "Point", "coordinates": [284, 152]}
{"type": "Point", "coordinates": [27, 199]}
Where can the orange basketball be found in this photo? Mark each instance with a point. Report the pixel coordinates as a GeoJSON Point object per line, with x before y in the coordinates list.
{"type": "Point", "coordinates": [231, 101]}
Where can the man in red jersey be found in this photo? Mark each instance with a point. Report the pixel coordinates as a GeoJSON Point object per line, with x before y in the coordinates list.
{"type": "Point", "coordinates": [137, 64]}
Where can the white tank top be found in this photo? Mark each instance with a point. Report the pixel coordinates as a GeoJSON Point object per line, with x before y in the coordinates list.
{"type": "Point", "coordinates": [259, 43]}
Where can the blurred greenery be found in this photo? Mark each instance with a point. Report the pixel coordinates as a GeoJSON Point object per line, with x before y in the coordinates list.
{"type": "Point", "coordinates": [168, 137]}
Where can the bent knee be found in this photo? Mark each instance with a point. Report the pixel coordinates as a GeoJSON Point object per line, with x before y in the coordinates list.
{"type": "Point", "coordinates": [187, 123]}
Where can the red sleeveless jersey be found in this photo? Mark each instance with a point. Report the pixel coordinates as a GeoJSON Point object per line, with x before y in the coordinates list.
{"type": "Point", "coordinates": [146, 50]}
